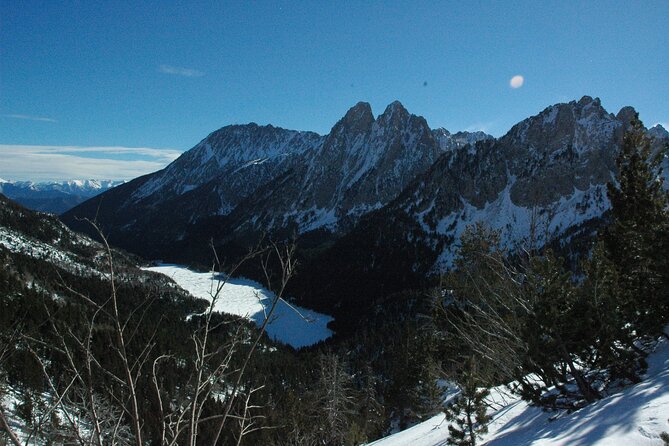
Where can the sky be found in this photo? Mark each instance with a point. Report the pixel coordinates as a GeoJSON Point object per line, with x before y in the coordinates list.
{"type": "Point", "coordinates": [140, 82]}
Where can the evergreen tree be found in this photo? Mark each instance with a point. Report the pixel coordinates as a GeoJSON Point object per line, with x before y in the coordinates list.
{"type": "Point", "coordinates": [613, 349]}
{"type": "Point", "coordinates": [483, 304]}
{"type": "Point", "coordinates": [637, 240]}
{"type": "Point", "coordinates": [467, 414]}
{"type": "Point", "coordinates": [558, 341]}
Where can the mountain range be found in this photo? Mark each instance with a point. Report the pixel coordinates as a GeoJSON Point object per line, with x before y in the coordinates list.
{"type": "Point", "coordinates": [378, 203]}
{"type": "Point", "coordinates": [54, 197]}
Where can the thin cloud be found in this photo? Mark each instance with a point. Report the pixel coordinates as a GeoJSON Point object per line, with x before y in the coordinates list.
{"type": "Point", "coordinates": [180, 71]}
{"type": "Point", "coordinates": [58, 163]}
{"type": "Point", "coordinates": [30, 118]}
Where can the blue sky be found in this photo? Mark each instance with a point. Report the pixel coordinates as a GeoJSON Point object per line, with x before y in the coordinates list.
{"type": "Point", "coordinates": [162, 75]}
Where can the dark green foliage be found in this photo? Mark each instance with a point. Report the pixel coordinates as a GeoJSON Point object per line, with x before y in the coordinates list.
{"type": "Point", "coordinates": [483, 309]}
{"type": "Point", "coordinates": [614, 347]}
{"type": "Point", "coordinates": [636, 242]}
{"type": "Point", "coordinates": [528, 317]}
{"type": "Point", "coordinates": [467, 414]}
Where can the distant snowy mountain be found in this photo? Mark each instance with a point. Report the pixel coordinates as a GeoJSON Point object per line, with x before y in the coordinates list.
{"type": "Point", "coordinates": [54, 197]}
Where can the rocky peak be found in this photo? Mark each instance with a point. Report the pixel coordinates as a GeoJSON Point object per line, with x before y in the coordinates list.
{"type": "Point", "coordinates": [450, 141]}
{"type": "Point", "coordinates": [395, 115]}
{"type": "Point", "coordinates": [358, 119]}
{"type": "Point", "coordinates": [626, 114]}
{"type": "Point", "coordinates": [588, 100]}
{"type": "Point", "coordinates": [577, 123]}
{"type": "Point", "coordinates": [658, 132]}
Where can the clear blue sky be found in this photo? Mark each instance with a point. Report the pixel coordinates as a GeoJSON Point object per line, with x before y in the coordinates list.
{"type": "Point", "coordinates": [165, 74]}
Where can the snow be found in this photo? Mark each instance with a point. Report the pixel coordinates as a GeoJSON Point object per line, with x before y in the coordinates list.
{"type": "Point", "coordinates": [19, 243]}
{"type": "Point", "coordinates": [515, 222]}
{"type": "Point", "coordinates": [635, 416]}
{"type": "Point", "coordinates": [290, 324]}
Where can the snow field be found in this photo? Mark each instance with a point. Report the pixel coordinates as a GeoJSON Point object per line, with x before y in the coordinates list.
{"type": "Point", "coordinates": [290, 324]}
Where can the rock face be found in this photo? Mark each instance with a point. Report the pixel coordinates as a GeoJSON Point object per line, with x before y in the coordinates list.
{"type": "Point", "coordinates": [230, 163]}
{"type": "Point", "coordinates": [362, 165]}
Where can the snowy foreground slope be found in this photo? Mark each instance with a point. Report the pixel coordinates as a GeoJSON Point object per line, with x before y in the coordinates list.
{"type": "Point", "coordinates": [292, 325]}
{"type": "Point", "coordinates": [636, 416]}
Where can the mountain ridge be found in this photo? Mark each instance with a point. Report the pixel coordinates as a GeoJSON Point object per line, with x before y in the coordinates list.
{"type": "Point", "coordinates": [376, 195]}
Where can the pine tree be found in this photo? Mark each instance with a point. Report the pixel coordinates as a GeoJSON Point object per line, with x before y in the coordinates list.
{"type": "Point", "coordinates": [613, 349]}
{"type": "Point", "coordinates": [557, 339]}
{"type": "Point", "coordinates": [637, 240]}
{"type": "Point", "coordinates": [467, 414]}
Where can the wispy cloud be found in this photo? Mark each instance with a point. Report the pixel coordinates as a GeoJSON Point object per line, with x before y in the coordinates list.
{"type": "Point", "coordinates": [30, 118]}
{"type": "Point", "coordinates": [57, 163]}
{"type": "Point", "coordinates": [180, 71]}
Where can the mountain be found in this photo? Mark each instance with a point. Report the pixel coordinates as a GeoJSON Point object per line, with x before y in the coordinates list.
{"type": "Point", "coordinates": [378, 204]}
{"type": "Point", "coordinates": [242, 181]}
{"type": "Point", "coordinates": [544, 181]}
{"type": "Point", "coordinates": [54, 197]}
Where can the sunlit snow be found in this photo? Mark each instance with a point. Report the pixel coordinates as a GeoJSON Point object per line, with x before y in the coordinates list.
{"type": "Point", "coordinates": [635, 416]}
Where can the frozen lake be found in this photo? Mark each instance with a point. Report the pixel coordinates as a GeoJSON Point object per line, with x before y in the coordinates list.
{"type": "Point", "coordinates": [292, 325]}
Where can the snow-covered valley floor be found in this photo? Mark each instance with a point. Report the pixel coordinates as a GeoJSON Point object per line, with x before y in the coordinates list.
{"type": "Point", "coordinates": [292, 325]}
{"type": "Point", "coordinates": [633, 417]}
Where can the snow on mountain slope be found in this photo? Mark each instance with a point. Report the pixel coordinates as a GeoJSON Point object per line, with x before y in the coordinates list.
{"type": "Point", "coordinates": [450, 141]}
{"type": "Point", "coordinates": [363, 164]}
{"type": "Point", "coordinates": [264, 179]}
{"type": "Point", "coordinates": [635, 416]}
{"type": "Point", "coordinates": [548, 172]}
{"type": "Point", "coordinates": [236, 159]}
{"type": "Point", "coordinates": [292, 325]}
{"type": "Point", "coordinates": [86, 188]}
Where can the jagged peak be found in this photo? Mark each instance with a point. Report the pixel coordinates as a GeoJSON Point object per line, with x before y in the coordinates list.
{"type": "Point", "coordinates": [394, 109]}
{"type": "Point", "coordinates": [588, 100]}
{"type": "Point", "coordinates": [361, 110]}
{"type": "Point", "coordinates": [357, 119]}
{"type": "Point", "coordinates": [441, 131]}
{"type": "Point", "coordinates": [395, 106]}
{"type": "Point", "coordinates": [626, 114]}
{"type": "Point", "coordinates": [658, 132]}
